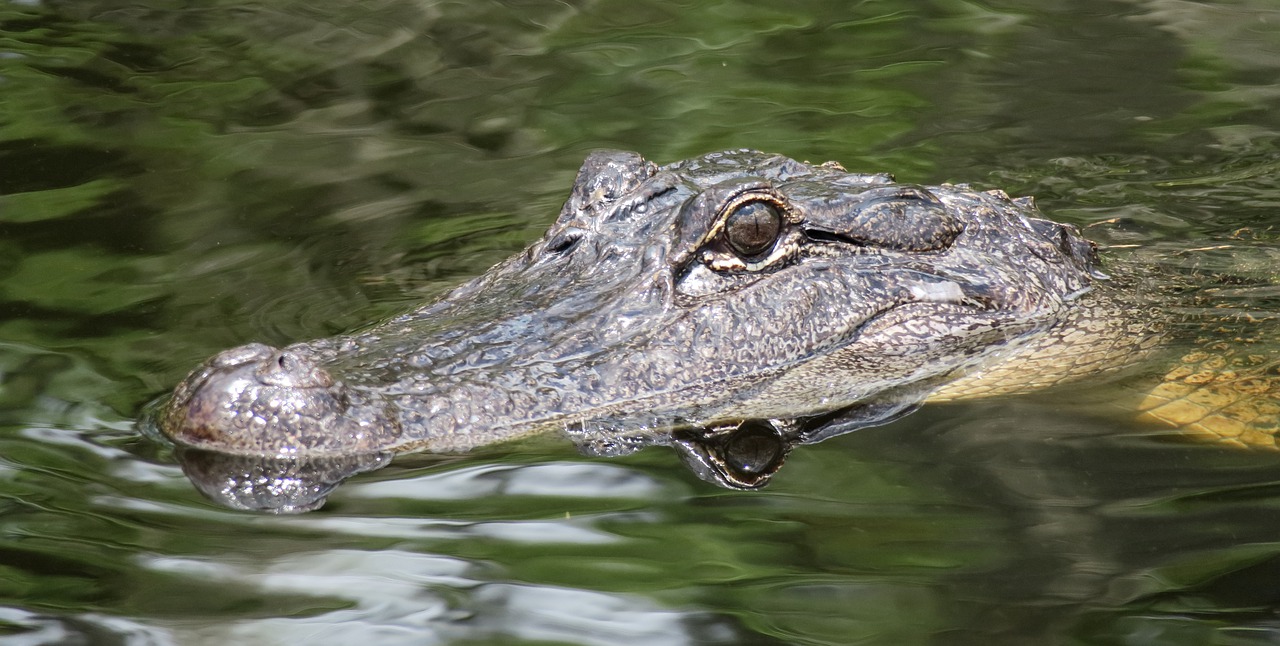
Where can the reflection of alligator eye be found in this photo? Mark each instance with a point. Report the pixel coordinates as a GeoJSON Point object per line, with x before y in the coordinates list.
{"type": "Point", "coordinates": [752, 228]}
{"type": "Point", "coordinates": [755, 449]}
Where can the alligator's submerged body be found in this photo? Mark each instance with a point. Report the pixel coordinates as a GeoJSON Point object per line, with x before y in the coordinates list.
{"type": "Point", "coordinates": [738, 294]}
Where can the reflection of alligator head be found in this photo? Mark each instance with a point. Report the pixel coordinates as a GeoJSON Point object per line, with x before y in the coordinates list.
{"type": "Point", "coordinates": [668, 304]}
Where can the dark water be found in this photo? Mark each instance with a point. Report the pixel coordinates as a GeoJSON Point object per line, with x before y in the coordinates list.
{"type": "Point", "coordinates": [178, 179]}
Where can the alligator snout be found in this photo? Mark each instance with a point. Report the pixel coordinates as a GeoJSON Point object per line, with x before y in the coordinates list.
{"type": "Point", "coordinates": [260, 400]}
{"type": "Point", "coordinates": [267, 365]}
{"type": "Point", "coordinates": [282, 368]}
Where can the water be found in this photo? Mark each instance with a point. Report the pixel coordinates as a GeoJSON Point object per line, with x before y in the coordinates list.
{"type": "Point", "coordinates": [175, 180]}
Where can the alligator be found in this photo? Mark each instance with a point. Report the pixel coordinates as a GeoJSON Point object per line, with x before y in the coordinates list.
{"type": "Point", "coordinates": [732, 305]}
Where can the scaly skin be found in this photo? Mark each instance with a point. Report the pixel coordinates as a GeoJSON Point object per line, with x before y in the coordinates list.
{"type": "Point", "coordinates": [733, 286]}
{"type": "Point", "coordinates": [1221, 392]}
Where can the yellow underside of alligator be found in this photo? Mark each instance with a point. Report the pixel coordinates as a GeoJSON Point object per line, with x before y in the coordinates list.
{"type": "Point", "coordinates": [1225, 389]}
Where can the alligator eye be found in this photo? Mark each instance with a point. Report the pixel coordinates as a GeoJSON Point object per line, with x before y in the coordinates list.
{"type": "Point", "coordinates": [752, 228]}
{"type": "Point", "coordinates": [754, 450]}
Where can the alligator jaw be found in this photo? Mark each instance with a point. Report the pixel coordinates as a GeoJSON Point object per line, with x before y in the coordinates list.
{"type": "Point", "coordinates": [256, 400]}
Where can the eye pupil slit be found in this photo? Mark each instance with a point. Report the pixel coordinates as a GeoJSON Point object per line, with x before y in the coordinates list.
{"type": "Point", "coordinates": [752, 228]}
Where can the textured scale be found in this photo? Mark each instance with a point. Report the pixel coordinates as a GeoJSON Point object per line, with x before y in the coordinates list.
{"type": "Point", "coordinates": [1226, 392]}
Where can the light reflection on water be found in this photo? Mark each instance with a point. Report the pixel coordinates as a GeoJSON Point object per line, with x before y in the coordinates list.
{"type": "Point", "coordinates": [177, 181]}
{"type": "Point", "coordinates": [567, 480]}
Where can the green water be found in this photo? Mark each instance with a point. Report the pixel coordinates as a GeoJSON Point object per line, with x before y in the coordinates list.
{"type": "Point", "coordinates": [177, 179]}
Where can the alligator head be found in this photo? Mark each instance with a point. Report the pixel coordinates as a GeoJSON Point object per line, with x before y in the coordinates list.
{"type": "Point", "coordinates": [705, 304]}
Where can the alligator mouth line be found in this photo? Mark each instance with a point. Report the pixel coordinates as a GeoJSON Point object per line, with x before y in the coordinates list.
{"type": "Point", "coordinates": [945, 292]}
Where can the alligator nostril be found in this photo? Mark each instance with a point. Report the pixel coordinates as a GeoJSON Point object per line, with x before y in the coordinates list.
{"type": "Point", "coordinates": [241, 355]}
{"type": "Point", "coordinates": [291, 370]}
{"type": "Point", "coordinates": [565, 241]}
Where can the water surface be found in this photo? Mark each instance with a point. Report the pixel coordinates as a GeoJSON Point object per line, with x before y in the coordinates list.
{"type": "Point", "coordinates": [175, 180]}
